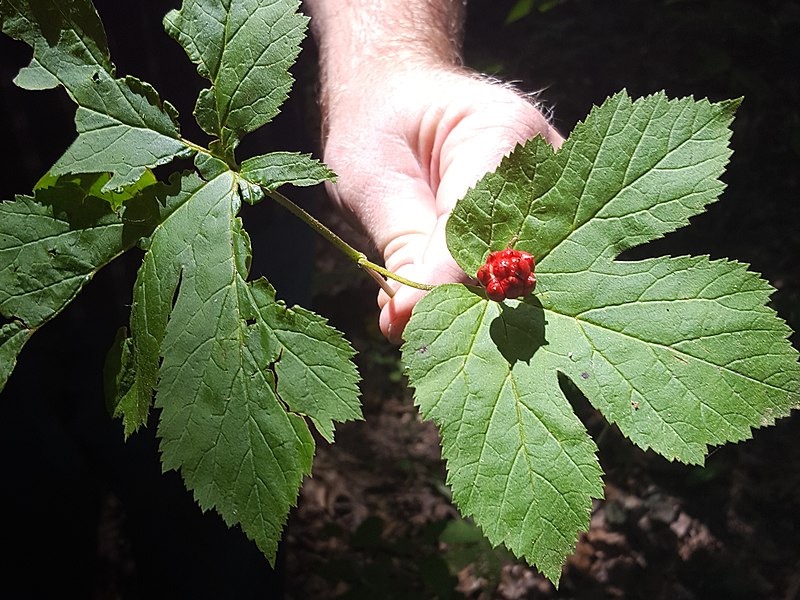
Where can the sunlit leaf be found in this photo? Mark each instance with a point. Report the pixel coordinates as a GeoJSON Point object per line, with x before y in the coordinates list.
{"type": "Point", "coordinates": [679, 353]}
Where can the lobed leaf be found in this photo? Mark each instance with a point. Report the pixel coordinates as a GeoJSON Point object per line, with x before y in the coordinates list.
{"type": "Point", "coordinates": [65, 37]}
{"type": "Point", "coordinates": [233, 369]}
{"type": "Point", "coordinates": [519, 461]}
{"type": "Point", "coordinates": [245, 48]}
{"type": "Point", "coordinates": [314, 357]}
{"type": "Point", "coordinates": [53, 243]}
{"type": "Point", "coordinates": [630, 173]}
{"type": "Point", "coordinates": [680, 353]}
{"type": "Point", "coordinates": [123, 126]}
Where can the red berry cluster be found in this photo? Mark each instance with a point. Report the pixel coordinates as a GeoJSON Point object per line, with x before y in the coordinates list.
{"type": "Point", "coordinates": [507, 274]}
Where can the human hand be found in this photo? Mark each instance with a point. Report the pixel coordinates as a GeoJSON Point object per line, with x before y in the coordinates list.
{"type": "Point", "coordinates": [408, 142]}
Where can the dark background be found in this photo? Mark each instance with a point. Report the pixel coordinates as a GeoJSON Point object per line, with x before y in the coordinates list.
{"type": "Point", "coordinates": [91, 516]}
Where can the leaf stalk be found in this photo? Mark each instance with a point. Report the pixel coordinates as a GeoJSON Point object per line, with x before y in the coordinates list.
{"type": "Point", "coordinates": [375, 271]}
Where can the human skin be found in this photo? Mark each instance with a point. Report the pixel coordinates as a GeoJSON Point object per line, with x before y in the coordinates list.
{"type": "Point", "coordinates": [408, 130]}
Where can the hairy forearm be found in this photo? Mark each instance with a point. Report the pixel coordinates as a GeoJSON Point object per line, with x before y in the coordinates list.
{"type": "Point", "coordinates": [408, 130]}
{"type": "Point", "coordinates": [355, 36]}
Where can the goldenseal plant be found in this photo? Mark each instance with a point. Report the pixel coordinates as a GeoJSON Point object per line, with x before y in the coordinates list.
{"type": "Point", "coordinates": [681, 353]}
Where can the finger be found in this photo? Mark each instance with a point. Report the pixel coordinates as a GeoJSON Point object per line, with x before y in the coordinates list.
{"type": "Point", "coordinates": [396, 311]}
{"type": "Point", "coordinates": [478, 143]}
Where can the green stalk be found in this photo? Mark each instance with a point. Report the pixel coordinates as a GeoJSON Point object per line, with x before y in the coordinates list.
{"type": "Point", "coordinates": [375, 271]}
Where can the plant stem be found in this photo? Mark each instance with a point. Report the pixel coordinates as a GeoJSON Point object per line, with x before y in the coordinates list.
{"type": "Point", "coordinates": [196, 147]}
{"type": "Point", "coordinates": [374, 270]}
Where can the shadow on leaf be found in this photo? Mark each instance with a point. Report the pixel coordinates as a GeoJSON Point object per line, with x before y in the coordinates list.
{"type": "Point", "coordinates": [518, 331]}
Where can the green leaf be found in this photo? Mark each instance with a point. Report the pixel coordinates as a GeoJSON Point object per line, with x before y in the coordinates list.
{"type": "Point", "coordinates": [136, 132]}
{"type": "Point", "coordinates": [12, 338]}
{"type": "Point", "coordinates": [212, 345]}
{"type": "Point", "coordinates": [47, 254]}
{"type": "Point", "coordinates": [281, 168]}
{"type": "Point", "coordinates": [237, 375]}
{"type": "Point", "coordinates": [518, 459]}
{"type": "Point", "coordinates": [635, 171]}
{"type": "Point", "coordinates": [679, 353]}
{"type": "Point", "coordinates": [52, 244]}
{"type": "Point", "coordinates": [314, 357]}
{"type": "Point", "coordinates": [119, 376]}
{"type": "Point", "coordinates": [245, 48]}
{"type": "Point", "coordinates": [66, 36]}
{"type": "Point", "coordinates": [520, 10]}
{"type": "Point", "coordinates": [123, 126]}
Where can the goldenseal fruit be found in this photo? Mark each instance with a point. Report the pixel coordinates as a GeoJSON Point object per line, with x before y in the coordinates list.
{"type": "Point", "coordinates": [508, 274]}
